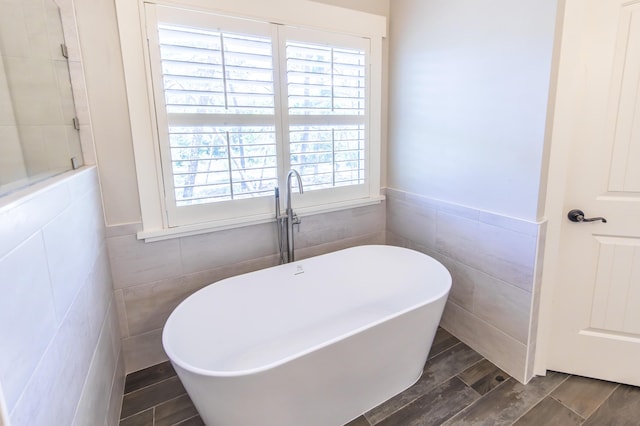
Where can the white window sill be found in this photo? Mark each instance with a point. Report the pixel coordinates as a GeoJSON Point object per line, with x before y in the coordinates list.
{"type": "Point", "coordinates": [152, 235]}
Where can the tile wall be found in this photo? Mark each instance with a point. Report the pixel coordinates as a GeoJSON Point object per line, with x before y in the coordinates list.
{"type": "Point", "coordinates": [150, 279]}
{"type": "Point", "coordinates": [492, 260]}
{"type": "Point", "coordinates": [61, 360]}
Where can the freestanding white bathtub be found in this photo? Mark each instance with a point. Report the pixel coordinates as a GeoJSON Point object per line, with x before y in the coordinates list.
{"type": "Point", "coordinates": [314, 342]}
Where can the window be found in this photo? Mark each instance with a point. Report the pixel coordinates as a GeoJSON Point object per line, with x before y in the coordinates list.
{"type": "Point", "coordinates": [236, 103]}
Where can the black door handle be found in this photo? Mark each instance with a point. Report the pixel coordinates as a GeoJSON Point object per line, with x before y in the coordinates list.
{"type": "Point", "coordinates": [577, 215]}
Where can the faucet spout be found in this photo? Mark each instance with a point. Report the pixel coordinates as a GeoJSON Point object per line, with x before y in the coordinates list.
{"type": "Point", "coordinates": [297, 175]}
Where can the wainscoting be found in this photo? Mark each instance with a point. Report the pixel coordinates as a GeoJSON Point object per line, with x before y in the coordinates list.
{"type": "Point", "coordinates": [492, 306]}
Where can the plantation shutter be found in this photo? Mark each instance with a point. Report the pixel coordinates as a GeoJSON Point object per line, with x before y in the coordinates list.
{"type": "Point", "coordinates": [326, 91]}
{"type": "Point", "coordinates": [240, 102]}
{"type": "Point", "coordinates": [219, 96]}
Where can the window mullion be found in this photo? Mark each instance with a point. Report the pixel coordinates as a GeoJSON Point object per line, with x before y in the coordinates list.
{"type": "Point", "coordinates": [281, 96]}
{"type": "Point", "coordinates": [224, 72]}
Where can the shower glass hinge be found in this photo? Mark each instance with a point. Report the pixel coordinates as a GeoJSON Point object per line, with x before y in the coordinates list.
{"type": "Point", "coordinates": [65, 52]}
{"type": "Point", "coordinates": [75, 163]}
{"type": "Point", "coordinates": [76, 123]}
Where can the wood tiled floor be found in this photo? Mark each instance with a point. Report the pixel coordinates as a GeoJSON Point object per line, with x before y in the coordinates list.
{"type": "Point", "coordinates": [458, 387]}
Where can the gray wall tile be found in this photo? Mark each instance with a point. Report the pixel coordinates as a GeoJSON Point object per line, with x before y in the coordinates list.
{"type": "Point", "coordinates": [149, 305]}
{"type": "Point", "coordinates": [499, 252]}
{"type": "Point", "coordinates": [70, 284]}
{"type": "Point", "coordinates": [94, 402]}
{"type": "Point", "coordinates": [135, 262]}
{"type": "Point", "coordinates": [24, 217]}
{"type": "Point", "coordinates": [498, 347]}
{"type": "Point", "coordinates": [491, 258]}
{"type": "Point", "coordinates": [209, 251]}
{"type": "Point", "coordinates": [117, 390]}
{"type": "Point", "coordinates": [412, 221]}
{"type": "Point", "coordinates": [27, 315]}
{"type": "Point", "coordinates": [502, 305]}
{"type": "Point", "coordinates": [143, 350]}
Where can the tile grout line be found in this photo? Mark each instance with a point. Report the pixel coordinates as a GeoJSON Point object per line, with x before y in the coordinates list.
{"type": "Point", "coordinates": [185, 420]}
{"type": "Point", "coordinates": [434, 387]}
{"type": "Point", "coordinates": [482, 397]}
{"type": "Point", "coordinates": [548, 394]}
{"type": "Point", "coordinates": [599, 405]}
{"type": "Point", "coordinates": [442, 351]}
{"type": "Point", "coordinates": [471, 366]}
{"type": "Point", "coordinates": [135, 414]}
{"type": "Point", "coordinates": [153, 407]}
{"type": "Point", "coordinates": [509, 377]}
{"type": "Point", "coordinates": [172, 399]}
{"type": "Point", "coordinates": [569, 408]}
{"type": "Point", "coordinates": [149, 385]}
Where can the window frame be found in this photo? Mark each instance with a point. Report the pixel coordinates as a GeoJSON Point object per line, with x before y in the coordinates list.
{"type": "Point", "coordinates": [304, 14]}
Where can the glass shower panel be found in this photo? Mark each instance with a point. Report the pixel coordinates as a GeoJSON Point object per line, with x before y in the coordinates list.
{"type": "Point", "coordinates": [38, 126]}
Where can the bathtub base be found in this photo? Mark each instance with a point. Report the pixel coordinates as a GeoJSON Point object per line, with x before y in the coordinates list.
{"type": "Point", "coordinates": [331, 386]}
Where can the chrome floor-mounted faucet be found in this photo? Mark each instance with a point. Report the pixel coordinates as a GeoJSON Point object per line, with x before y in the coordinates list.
{"type": "Point", "coordinates": [285, 222]}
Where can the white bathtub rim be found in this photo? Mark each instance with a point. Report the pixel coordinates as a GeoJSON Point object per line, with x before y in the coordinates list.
{"type": "Point", "coordinates": [174, 358]}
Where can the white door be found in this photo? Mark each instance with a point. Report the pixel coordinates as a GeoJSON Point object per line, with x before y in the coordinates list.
{"type": "Point", "coordinates": [595, 328]}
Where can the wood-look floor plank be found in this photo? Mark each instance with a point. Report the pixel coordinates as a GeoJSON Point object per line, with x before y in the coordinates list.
{"type": "Point", "coordinates": [442, 341]}
{"type": "Point", "coordinates": [483, 376]}
{"type": "Point", "coordinates": [584, 395]}
{"type": "Point", "coordinates": [175, 411]}
{"type": "Point", "coordinates": [437, 370]}
{"type": "Point", "coordinates": [360, 421]}
{"type": "Point", "coordinates": [144, 418]}
{"type": "Point", "coordinates": [193, 421]}
{"type": "Point", "coordinates": [148, 376]}
{"type": "Point", "coordinates": [549, 412]}
{"type": "Point", "coordinates": [622, 408]}
{"type": "Point", "coordinates": [150, 396]}
{"type": "Point", "coordinates": [508, 402]}
{"type": "Point", "coordinates": [435, 406]}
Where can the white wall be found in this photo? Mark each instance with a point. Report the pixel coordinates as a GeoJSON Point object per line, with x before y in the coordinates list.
{"type": "Point", "coordinates": [100, 46]}
{"type": "Point", "coordinates": [61, 360]}
{"type": "Point", "coordinates": [469, 89]}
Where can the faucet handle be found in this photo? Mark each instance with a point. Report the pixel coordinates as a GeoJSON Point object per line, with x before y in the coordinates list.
{"type": "Point", "coordinates": [296, 221]}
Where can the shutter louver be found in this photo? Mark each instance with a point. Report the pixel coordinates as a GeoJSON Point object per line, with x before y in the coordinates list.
{"type": "Point", "coordinates": [220, 104]}
{"type": "Point", "coordinates": [326, 99]}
